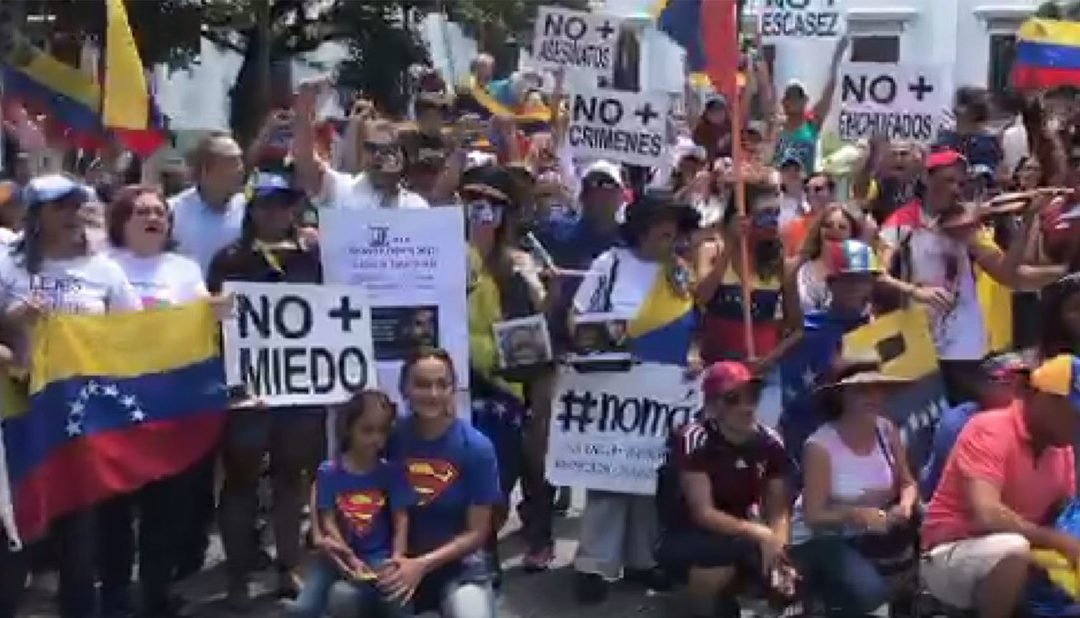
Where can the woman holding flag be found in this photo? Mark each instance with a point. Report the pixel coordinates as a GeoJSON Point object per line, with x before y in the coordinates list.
{"type": "Point", "coordinates": [140, 232]}
{"type": "Point", "coordinates": [52, 269]}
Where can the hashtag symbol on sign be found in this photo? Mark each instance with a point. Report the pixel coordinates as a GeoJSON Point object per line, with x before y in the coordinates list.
{"type": "Point", "coordinates": [576, 409]}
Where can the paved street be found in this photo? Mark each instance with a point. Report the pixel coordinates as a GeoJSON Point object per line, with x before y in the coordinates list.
{"type": "Point", "coordinates": [524, 596]}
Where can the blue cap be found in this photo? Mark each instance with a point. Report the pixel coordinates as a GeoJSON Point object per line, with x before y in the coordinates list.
{"type": "Point", "coordinates": [52, 187]}
{"type": "Point", "coordinates": [266, 183]}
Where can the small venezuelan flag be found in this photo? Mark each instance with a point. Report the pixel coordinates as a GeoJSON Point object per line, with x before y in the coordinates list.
{"type": "Point", "coordinates": [708, 31]}
{"type": "Point", "coordinates": [1047, 54]}
{"type": "Point", "coordinates": [115, 401]}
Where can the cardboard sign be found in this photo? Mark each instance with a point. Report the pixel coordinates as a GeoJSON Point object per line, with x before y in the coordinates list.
{"type": "Point", "coordinates": [575, 39]}
{"type": "Point", "coordinates": [609, 430]}
{"type": "Point", "coordinates": [299, 344]}
{"type": "Point", "coordinates": [802, 19]}
{"type": "Point", "coordinates": [627, 127]}
{"type": "Point", "coordinates": [900, 102]}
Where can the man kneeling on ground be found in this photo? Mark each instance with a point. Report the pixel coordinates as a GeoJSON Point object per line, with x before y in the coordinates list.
{"type": "Point", "coordinates": [1006, 479]}
{"type": "Point", "coordinates": [727, 464]}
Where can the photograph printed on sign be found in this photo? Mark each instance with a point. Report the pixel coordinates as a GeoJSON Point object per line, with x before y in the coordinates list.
{"type": "Point", "coordinates": [298, 344]}
{"type": "Point", "coordinates": [627, 127]}
{"type": "Point", "coordinates": [600, 337]}
{"type": "Point", "coordinates": [397, 331]}
{"type": "Point", "coordinates": [523, 342]}
{"type": "Point", "coordinates": [896, 101]}
{"type": "Point", "coordinates": [802, 19]}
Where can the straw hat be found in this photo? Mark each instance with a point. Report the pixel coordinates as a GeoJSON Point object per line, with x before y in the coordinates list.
{"type": "Point", "coordinates": [858, 369]}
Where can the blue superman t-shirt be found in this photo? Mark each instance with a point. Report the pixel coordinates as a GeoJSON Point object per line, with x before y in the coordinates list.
{"type": "Point", "coordinates": [364, 503]}
{"type": "Point", "coordinates": [450, 473]}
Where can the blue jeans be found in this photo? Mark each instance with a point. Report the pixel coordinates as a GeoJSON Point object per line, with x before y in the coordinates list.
{"type": "Point", "coordinates": [847, 582]}
{"type": "Point", "coordinates": [359, 598]}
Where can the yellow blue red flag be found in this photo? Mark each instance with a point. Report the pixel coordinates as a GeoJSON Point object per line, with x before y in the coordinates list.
{"type": "Point", "coordinates": [113, 402]}
{"type": "Point", "coordinates": [1047, 54]}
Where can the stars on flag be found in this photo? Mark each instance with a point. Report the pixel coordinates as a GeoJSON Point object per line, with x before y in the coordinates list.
{"type": "Point", "coordinates": [77, 408]}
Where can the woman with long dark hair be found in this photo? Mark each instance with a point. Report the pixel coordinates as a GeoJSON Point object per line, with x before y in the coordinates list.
{"type": "Point", "coordinates": [836, 223]}
{"type": "Point", "coordinates": [774, 300]}
{"type": "Point", "coordinates": [270, 250]}
{"type": "Point", "coordinates": [52, 269]}
{"type": "Point", "coordinates": [453, 468]}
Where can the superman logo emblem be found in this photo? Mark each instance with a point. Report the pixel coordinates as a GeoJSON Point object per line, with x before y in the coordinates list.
{"type": "Point", "coordinates": [431, 477]}
{"type": "Point", "coordinates": [359, 508]}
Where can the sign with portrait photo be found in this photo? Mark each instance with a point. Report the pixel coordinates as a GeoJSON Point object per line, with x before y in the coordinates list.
{"type": "Point", "coordinates": [523, 342]}
{"type": "Point", "coordinates": [411, 265]}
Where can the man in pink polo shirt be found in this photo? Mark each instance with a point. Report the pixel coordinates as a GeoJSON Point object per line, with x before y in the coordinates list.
{"type": "Point", "coordinates": [1002, 487]}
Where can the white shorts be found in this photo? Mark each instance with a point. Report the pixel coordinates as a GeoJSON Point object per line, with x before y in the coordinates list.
{"type": "Point", "coordinates": [953, 571]}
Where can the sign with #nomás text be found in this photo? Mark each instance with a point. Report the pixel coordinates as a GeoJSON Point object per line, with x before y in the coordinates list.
{"type": "Point", "coordinates": [298, 344]}
{"type": "Point", "coordinates": [802, 19]}
{"type": "Point", "coordinates": [896, 101]}
{"type": "Point", "coordinates": [609, 429]}
{"type": "Point", "coordinates": [628, 127]}
{"type": "Point", "coordinates": [576, 39]}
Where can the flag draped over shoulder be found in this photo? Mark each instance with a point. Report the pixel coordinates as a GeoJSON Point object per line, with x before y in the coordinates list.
{"type": "Point", "coordinates": [114, 401]}
{"type": "Point", "coordinates": [1047, 54]}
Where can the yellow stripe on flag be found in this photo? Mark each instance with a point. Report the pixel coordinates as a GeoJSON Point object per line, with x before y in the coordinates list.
{"type": "Point", "coordinates": [907, 327]}
{"type": "Point", "coordinates": [124, 345]}
{"type": "Point", "coordinates": [126, 104]}
{"type": "Point", "coordinates": [1050, 31]}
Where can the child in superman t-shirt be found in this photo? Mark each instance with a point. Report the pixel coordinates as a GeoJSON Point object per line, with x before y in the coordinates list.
{"type": "Point", "coordinates": [362, 503]}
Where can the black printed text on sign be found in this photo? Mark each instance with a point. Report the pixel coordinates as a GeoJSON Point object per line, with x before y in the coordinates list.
{"type": "Point", "coordinates": [298, 344]}
{"type": "Point", "coordinates": [619, 126]}
{"type": "Point", "coordinates": [584, 41]}
{"type": "Point", "coordinates": [608, 430]}
{"type": "Point", "coordinates": [896, 101]}
{"type": "Point", "coordinates": [802, 19]}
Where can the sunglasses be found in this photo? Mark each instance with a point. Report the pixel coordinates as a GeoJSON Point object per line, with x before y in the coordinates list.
{"type": "Point", "coordinates": [484, 212]}
{"type": "Point", "coordinates": [602, 183]}
{"type": "Point", "coordinates": [382, 149]}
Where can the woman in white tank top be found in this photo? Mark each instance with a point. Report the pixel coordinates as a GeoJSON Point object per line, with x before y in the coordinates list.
{"type": "Point", "coordinates": [855, 532]}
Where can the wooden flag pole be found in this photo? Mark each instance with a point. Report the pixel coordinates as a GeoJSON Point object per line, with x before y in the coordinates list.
{"type": "Point", "coordinates": [740, 204]}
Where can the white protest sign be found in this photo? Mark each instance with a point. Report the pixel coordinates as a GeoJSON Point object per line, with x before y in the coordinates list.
{"type": "Point", "coordinates": [802, 19]}
{"type": "Point", "coordinates": [628, 127]}
{"type": "Point", "coordinates": [897, 101]}
{"type": "Point", "coordinates": [609, 429]}
{"type": "Point", "coordinates": [575, 39]}
{"type": "Point", "coordinates": [298, 344]}
{"type": "Point", "coordinates": [412, 266]}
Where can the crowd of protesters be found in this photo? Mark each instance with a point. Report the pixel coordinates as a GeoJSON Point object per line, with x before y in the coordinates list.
{"type": "Point", "coordinates": [826, 507]}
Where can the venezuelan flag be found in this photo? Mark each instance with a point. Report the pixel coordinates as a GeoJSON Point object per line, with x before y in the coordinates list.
{"type": "Point", "coordinates": [496, 99]}
{"type": "Point", "coordinates": [708, 31]}
{"type": "Point", "coordinates": [114, 401]}
{"type": "Point", "coordinates": [1047, 54]}
{"type": "Point", "coordinates": [664, 326]}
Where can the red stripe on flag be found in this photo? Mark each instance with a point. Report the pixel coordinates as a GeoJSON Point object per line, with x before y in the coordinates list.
{"type": "Point", "coordinates": [719, 30]}
{"type": "Point", "coordinates": [88, 470]}
{"type": "Point", "coordinates": [1027, 77]}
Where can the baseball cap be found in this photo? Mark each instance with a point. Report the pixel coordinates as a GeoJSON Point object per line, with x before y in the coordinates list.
{"type": "Point", "coordinates": [795, 88]}
{"type": "Point", "coordinates": [851, 257]}
{"type": "Point", "coordinates": [265, 183]}
{"type": "Point", "coordinates": [944, 158]}
{"type": "Point", "coordinates": [604, 168]}
{"type": "Point", "coordinates": [1059, 376]}
{"type": "Point", "coordinates": [791, 161]}
{"type": "Point", "coordinates": [52, 187]}
{"type": "Point", "coordinates": [1003, 365]}
{"type": "Point", "coordinates": [725, 376]}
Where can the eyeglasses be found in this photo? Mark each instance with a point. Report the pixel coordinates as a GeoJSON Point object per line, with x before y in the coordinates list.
{"type": "Point", "coordinates": [484, 212]}
{"type": "Point", "coordinates": [601, 183]}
